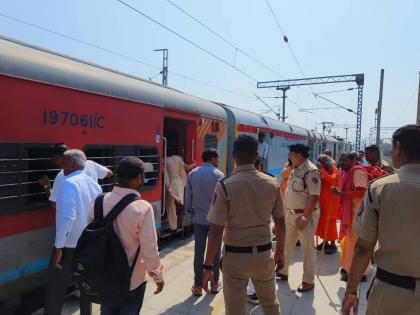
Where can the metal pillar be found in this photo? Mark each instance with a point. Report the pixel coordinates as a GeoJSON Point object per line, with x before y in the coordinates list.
{"type": "Point", "coordinates": [283, 89]}
{"type": "Point", "coordinates": [359, 116]}
{"type": "Point", "coordinates": [379, 112]}
{"type": "Point", "coordinates": [164, 66]}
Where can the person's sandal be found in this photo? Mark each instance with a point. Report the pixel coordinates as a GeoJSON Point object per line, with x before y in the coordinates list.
{"type": "Point", "coordinates": [197, 291]}
{"type": "Point", "coordinates": [215, 288]}
{"type": "Point", "coordinates": [306, 287]}
{"type": "Point", "coordinates": [280, 276]}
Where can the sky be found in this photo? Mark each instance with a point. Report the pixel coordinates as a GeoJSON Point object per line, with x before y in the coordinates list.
{"type": "Point", "coordinates": [328, 37]}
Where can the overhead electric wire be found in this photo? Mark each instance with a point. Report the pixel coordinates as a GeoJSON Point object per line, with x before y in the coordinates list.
{"type": "Point", "coordinates": [78, 40]}
{"type": "Point", "coordinates": [224, 39]}
{"type": "Point", "coordinates": [191, 42]}
{"type": "Point", "coordinates": [332, 102]}
{"type": "Point", "coordinates": [124, 56]}
{"type": "Point", "coordinates": [286, 39]}
{"type": "Point", "coordinates": [188, 40]}
{"type": "Point", "coordinates": [408, 103]}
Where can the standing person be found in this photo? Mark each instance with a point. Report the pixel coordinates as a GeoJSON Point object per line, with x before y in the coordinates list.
{"type": "Point", "coordinates": [73, 201]}
{"type": "Point", "coordinates": [198, 197]}
{"type": "Point", "coordinates": [262, 148]}
{"type": "Point", "coordinates": [390, 217]}
{"type": "Point", "coordinates": [92, 169]}
{"type": "Point", "coordinates": [135, 228]}
{"type": "Point", "coordinates": [329, 154]}
{"type": "Point", "coordinates": [354, 183]}
{"type": "Point", "coordinates": [301, 203]}
{"type": "Point", "coordinates": [327, 226]}
{"type": "Point", "coordinates": [373, 156]}
{"type": "Point", "coordinates": [176, 180]}
{"type": "Point", "coordinates": [242, 206]}
{"type": "Point", "coordinates": [361, 158]}
{"type": "Point", "coordinates": [285, 174]}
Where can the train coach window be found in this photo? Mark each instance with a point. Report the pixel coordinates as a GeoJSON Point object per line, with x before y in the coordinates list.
{"type": "Point", "coordinates": [210, 142]}
{"type": "Point", "coordinates": [21, 165]}
{"type": "Point", "coordinates": [110, 155]}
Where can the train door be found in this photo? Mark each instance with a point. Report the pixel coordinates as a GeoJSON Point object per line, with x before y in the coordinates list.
{"type": "Point", "coordinates": [179, 140]}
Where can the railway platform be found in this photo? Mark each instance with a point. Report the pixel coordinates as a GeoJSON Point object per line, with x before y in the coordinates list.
{"type": "Point", "coordinates": [176, 298]}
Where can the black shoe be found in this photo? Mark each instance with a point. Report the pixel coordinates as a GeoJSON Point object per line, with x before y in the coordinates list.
{"type": "Point", "coordinates": [298, 243]}
{"type": "Point", "coordinates": [319, 247]}
{"type": "Point", "coordinates": [330, 249]}
{"type": "Point", "coordinates": [364, 279]}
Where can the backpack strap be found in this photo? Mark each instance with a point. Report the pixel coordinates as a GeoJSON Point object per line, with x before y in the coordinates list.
{"type": "Point", "coordinates": [119, 207]}
{"type": "Point", "coordinates": [98, 215]}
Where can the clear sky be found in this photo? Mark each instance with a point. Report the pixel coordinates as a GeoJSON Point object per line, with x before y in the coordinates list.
{"type": "Point", "coordinates": [329, 37]}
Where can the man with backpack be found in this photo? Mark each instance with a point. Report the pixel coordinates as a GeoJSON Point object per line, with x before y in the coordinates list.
{"type": "Point", "coordinates": [133, 233]}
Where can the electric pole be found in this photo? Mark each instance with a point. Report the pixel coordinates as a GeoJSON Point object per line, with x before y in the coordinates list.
{"type": "Point", "coordinates": [164, 71]}
{"type": "Point", "coordinates": [283, 89]}
{"type": "Point", "coordinates": [379, 112]}
{"type": "Point", "coordinates": [418, 104]}
{"type": "Point", "coordinates": [325, 125]}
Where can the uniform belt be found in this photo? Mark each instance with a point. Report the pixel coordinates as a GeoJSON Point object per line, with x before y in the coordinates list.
{"type": "Point", "coordinates": [296, 211]}
{"type": "Point", "coordinates": [405, 282]}
{"type": "Point", "coordinates": [247, 249]}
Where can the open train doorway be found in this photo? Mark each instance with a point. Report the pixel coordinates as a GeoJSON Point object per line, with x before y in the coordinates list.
{"type": "Point", "coordinates": [179, 151]}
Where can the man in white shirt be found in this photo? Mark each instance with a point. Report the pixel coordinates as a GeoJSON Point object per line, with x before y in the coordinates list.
{"type": "Point", "coordinates": [262, 149]}
{"type": "Point", "coordinates": [75, 196]}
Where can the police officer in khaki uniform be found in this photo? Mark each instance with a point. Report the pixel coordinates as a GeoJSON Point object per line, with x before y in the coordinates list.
{"type": "Point", "coordinates": [242, 206]}
{"type": "Point", "coordinates": [302, 214]}
{"type": "Point", "coordinates": [391, 216]}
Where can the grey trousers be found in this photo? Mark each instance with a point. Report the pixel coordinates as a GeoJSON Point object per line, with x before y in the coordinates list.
{"type": "Point", "coordinates": [58, 282]}
{"type": "Point", "coordinates": [200, 236]}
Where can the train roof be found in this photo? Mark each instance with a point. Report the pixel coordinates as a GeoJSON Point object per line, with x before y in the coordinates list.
{"type": "Point", "coordinates": [21, 60]}
{"type": "Point", "coordinates": [245, 117]}
{"type": "Point", "coordinates": [278, 125]}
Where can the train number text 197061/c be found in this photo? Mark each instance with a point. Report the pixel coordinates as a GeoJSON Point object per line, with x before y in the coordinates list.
{"type": "Point", "coordinates": [54, 117]}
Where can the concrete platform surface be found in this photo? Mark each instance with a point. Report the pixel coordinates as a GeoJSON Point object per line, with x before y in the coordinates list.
{"type": "Point", "coordinates": [176, 298]}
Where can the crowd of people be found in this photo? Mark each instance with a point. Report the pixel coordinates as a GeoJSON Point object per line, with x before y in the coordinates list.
{"type": "Point", "coordinates": [235, 218]}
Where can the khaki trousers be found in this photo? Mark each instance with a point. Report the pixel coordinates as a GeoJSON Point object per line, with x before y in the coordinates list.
{"type": "Point", "coordinates": [171, 212]}
{"type": "Point", "coordinates": [306, 238]}
{"type": "Point", "coordinates": [386, 299]}
{"type": "Point", "coordinates": [237, 269]}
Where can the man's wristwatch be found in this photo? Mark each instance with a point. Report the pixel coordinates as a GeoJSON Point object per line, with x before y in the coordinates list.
{"type": "Point", "coordinates": [208, 267]}
{"type": "Point", "coordinates": [353, 294]}
{"type": "Point", "coordinates": [303, 218]}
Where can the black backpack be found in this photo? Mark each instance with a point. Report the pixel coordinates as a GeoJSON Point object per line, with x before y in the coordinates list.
{"type": "Point", "coordinates": [100, 265]}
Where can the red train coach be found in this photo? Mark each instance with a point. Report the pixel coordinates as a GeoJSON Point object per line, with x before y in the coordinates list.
{"type": "Point", "coordinates": [48, 98]}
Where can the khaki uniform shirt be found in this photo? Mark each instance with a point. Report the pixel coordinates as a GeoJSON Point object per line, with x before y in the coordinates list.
{"type": "Point", "coordinates": [297, 195]}
{"type": "Point", "coordinates": [392, 218]}
{"type": "Point", "coordinates": [244, 203]}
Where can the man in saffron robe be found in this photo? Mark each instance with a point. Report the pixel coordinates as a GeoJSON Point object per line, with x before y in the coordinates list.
{"type": "Point", "coordinates": [354, 183]}
{"type": "Point", "coordinates": [327, 227]}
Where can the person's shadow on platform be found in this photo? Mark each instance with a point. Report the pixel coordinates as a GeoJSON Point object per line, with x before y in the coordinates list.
{"type": "Point", "coordinates": [193, 305]}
